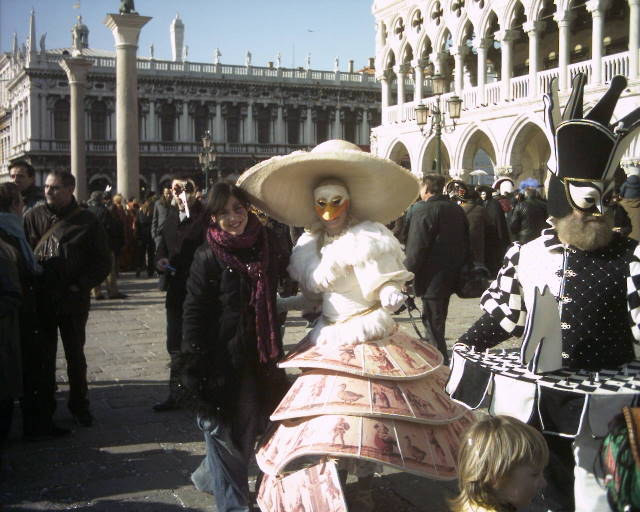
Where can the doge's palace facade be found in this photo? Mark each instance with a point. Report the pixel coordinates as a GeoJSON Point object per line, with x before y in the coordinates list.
{"type": "Point", "coordinates": [253, 112]}
{"type": "Point", "coordinates": [498, 56]}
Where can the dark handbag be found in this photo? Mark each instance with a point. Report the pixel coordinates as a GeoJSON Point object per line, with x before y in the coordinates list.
{"type": "Point", "coordinates": [473, 280]}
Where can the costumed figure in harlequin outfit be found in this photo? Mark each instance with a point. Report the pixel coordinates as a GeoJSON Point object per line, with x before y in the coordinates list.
{"type": "Point", "coordinates": [368, 391]}
{"type": "Point", "coordinates": [573, 294]}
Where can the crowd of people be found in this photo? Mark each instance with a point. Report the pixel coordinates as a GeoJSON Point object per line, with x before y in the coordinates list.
{"type": "Point", "coordinates": [226, 262]}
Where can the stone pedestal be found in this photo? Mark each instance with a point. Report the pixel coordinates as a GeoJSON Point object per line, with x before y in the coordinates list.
{"type": "Point", "coordinates": [76, 69]}
{"type": "Point", "coordinates": [126, 30]}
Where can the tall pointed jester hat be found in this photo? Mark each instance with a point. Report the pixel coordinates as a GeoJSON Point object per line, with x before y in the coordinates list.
{"type": "Point", "coordinates": [586, 149]}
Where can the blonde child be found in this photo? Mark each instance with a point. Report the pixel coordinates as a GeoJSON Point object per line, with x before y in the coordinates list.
{"type": "Point", "coordinates": [500, 466]}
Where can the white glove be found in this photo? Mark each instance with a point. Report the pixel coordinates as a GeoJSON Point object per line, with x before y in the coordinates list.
{"type": "Point", "coordinates": [391, 298]}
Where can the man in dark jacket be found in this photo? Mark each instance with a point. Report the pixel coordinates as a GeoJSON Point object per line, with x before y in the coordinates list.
{"type": "Point", "coordinates": [498, 238]}
{"type": "Point", "coordinates": [437, 247]}
{"type": "Point", "coordinates": [529, 217]}
{"type": "Point", "coordinates": [24, 176]}
{"type": "Point", "coordinates": [181, 235]}
{"type": "Point", "coordinates": [72, 247]}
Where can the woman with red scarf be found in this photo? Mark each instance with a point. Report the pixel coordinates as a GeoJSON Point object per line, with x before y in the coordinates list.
{"type": "Point", "coordinates": [231, 342]}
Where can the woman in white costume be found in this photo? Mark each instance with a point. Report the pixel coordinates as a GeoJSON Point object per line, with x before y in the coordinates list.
{"type": "Point", "coordinates": [369, 391]}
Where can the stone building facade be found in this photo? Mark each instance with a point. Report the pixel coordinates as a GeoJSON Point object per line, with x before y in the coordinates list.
{"type": "Point", "coordinates": [252, 112]}
{"type": "Point", "coordinates": [498, 56]}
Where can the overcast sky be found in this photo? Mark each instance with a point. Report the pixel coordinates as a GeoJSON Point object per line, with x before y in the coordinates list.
{"type": "Point", "coordinates": [324, 28]}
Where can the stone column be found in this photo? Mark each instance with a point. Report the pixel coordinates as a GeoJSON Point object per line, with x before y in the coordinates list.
{"type": "Point", "coordinates": [419, 79]}
{"type": "Point", "coordinates": [337, 131]}
{"type": "Point", "coordinates": [506, 38]}
{"type": "Point", "coordinates": [183, 120]}
{"type": "Point", "coordinates": [154, 182]}
{"type": "Point", "coordinates": [126, 30]}
{"type": "Point", "coordinates": [218, 133]}
{"type": "Point", "coordinates": [364, 127]}
{"type": "Point", "coordinates": [279, 138]}
{"type": "Point", "coordinates": [563, 19]}
{"type": "Point", "coordinates": [401, 73]}
{"type": "Point", "coordinates": [384, 82]}
{"type": "Point", "coordinates": [481, 46]}
{"type": "Point", "coordinates": [152, 133]}
{"type": "Point", "coordinates": [634, 38]}
{"type": "Point", "coordinates": [309, 138]}
{"type": "Point", "coordinates": [76, 69]}
{"type": "Point", "coordinates": [533, 28]}
{"type": "Point", "coordinates": [458, 57]}
{"type": "Point", "coordinates": [596, 8]}
{"type": "Point", "coordinates": [249, 120]}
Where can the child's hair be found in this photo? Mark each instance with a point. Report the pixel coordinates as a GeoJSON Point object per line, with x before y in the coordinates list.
{"type": "Point", "coordinates": [489, 451]}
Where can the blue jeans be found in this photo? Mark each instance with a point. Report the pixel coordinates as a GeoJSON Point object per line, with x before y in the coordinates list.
{"type": "Point", "coordinates": [230, 444]}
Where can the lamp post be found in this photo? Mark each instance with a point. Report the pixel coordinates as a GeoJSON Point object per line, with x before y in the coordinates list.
{"type": "Point", "coordinates": [207, 159]}
{"type": "Point", "coordinates": [438, 120]}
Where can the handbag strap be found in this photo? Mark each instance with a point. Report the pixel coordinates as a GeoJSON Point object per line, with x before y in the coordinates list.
{"type": "Point", "coordinates": [632, 419]}
{"type": "Point", "coordinates": [59, 222]}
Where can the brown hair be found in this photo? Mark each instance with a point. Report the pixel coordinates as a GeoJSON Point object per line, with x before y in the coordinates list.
{"type": "Point", "coordinates": [9, 194]}
{"type": "Point", "coordinates": [433, 182]}
{"type": "Point", "coordinates": [490, 450]}
{"type": "Point", "coordinates": [220, 194]}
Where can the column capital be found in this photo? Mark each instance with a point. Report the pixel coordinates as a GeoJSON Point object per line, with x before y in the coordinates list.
{"type": "Point", "coordinates": [563, 17]}
{"type": "Point", "coordinates": [534, 26]}
{"type": "Point", "coordinates": [461, 50]}
{"type": "Point", "coordinates": [402, 69]}
{"type": "Point", "coordinates": [482, 43]}
{"type": "Point", "coordinates": [126, 28]}
{"type": "Point", "coordinates": [76, 69]}
{"type": "Point", "coordinates": [417, 64]}
{"type": "Point", "coordinates": [633, 2]}
{"type": "Point", "coordinates": [506, 36]}
{"type": "Point", "coordinates": [597, 7]}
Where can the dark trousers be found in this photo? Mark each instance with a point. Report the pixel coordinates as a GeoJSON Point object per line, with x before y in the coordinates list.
{"type": "Point", "coordinates": [145, 255]}
{"type": "Point", "coordinates": [72, 329]}
{"type": "Point", "coordinates": [6, 415]}
{"type": "Point", "coordinates": [174, 300]}
{"type": "Point", "coordinates": [434, 319]}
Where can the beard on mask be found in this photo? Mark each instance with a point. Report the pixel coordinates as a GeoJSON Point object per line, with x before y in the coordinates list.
{"type": "Point", "coordinates": [586, 232]}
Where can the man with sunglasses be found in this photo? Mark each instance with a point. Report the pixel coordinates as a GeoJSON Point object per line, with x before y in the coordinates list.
{"type": "Point", "coordinates": [573, 293]}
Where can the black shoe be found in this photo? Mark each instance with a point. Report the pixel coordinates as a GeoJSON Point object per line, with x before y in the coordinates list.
{"type": "Point", "coordinates": [169, 404]}
{"type": "Point", "coordinates": [53, 432]}
{"type": "Point", "coordinates": [84, 418]}
{"type": "Point", "coordinates": [118, 296]}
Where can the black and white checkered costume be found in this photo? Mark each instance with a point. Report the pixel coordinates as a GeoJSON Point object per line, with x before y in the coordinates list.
{"type": "Point", "coordinates": [598, 296]}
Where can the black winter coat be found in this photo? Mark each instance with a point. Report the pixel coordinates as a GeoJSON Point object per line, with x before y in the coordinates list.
{"type": "Point", "coordinates": [437, 246]}
{"type": "Point", "coordinates": [528, 219]}
{"type": "Point", "coordinates": [218, 337]}
{"type": "Point", "coordinates": [75, 258]}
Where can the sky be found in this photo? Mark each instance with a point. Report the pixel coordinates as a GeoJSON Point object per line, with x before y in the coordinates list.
{"type": "Point", "coordinates": [325, 28]}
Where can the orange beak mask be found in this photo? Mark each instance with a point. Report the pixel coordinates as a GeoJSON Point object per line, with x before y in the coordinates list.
{"type": "Point", "coordinates": [330, 201]}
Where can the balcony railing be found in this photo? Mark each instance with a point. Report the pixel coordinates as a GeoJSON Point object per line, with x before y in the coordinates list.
{"type": "Point", "coordinates": [612, 65]}
{"type": "Point", "coordinates": [240, 72]}
{"type": "Point", "coordinates": [148, 148]}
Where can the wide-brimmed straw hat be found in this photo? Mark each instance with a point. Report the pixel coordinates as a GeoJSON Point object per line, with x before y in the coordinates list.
{"type": "Point", "coordinates": [379, 189]}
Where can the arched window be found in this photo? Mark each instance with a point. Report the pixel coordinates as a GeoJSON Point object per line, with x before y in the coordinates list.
{"type": "Point", "coordinates": [168, 122]}
{"type": "Point", "coordinates": [322, 126]}
{"type": "Point", "coordinates": [263, 120]}
{"type": "Point", "coordinates": [201, 121]}
{"type": "Point", "coordinates": [98, 121]}
{"type": "Point", "coordinates": [61, 111]}
{"type": "Point", "coordinates": [293, 125]}
{"type": "Point", "coordinates": [349, 125]}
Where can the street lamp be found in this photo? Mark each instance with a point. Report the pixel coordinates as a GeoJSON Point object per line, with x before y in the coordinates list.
{"type": "Point", "coordinates": [207, 159]}
{"type": "Point", "coordinates": [438, 121]}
